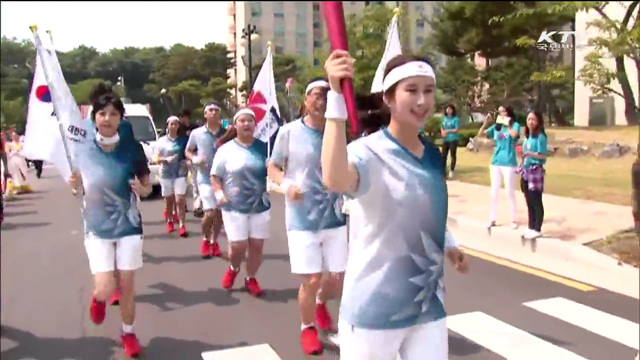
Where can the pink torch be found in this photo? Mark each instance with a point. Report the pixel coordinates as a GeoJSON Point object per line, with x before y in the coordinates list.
{"type": "Point", "coordinates": [337, 30]}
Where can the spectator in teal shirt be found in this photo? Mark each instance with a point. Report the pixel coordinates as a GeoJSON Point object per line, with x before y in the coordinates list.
{"type": "Point", "coordinates": [534, 153]}
{"type": "Point", "coordinates": [449, 129]}
{"type": "Point", "coordinates": [504, 163]}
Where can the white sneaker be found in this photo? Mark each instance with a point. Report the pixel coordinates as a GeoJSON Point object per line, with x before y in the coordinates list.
{"type": "Point", "coordinates": [450, 174]}
{"type": "Point", "coordinates": [535, 234]}
{"type": "Point", "coordinates": [514, 225]}
{"type": "Point", "coordinates": [335, 339]}
{"type": "Point", "coordinates": [527, 234]}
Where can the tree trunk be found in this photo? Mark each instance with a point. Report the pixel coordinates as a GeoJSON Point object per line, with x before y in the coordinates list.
{"type": "Point", "coordinates": [631, 113]}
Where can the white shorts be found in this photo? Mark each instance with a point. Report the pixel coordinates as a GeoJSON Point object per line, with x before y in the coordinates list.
{"type": "Point", "coordinates": [314, 252]}
{"type": "Point", "coordinates": [173, 186]}
{"type": "Point", "coordinates": [207, 197]}
{"type": "Point", "coordinates": [428, 341]}
{"type": "Point", "coordinates": [240, 227]}
{"type": "Point", "coordinates": [108, 254]}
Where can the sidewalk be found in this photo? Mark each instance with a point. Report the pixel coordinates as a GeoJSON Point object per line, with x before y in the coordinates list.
{"type": "Point", "coordinates": [569, 223]}
{"type": "Point", "coordinates": [566, 219]}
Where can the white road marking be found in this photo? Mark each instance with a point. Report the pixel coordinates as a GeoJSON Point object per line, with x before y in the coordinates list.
{"type": "Point", "coordinates": [255, 352]}
{"type": "Point", "coordinates": [504, 339]}
{"type": "Point", "coordinates": [599, 322]}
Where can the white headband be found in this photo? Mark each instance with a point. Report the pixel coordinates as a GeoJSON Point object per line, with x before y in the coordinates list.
{"type": "Point", "coordinates": [172, 118]}
{"type": "Point", "coordinates": [243, 111]}
{"type": "Point", "coordinates": [413, 68]}
{"type": "Point", "coordinates": [211, 106]}
{"type": "Point", "coordinates": [315, 84]}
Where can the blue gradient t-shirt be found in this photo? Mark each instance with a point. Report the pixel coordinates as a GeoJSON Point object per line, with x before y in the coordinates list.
{"type": "Point", "coordinates": [243, 173]}
{"type": "Point", "coordinates": [398, 216]}
{"type": "Point", "coordinates": [111, 210]}
{"type": "Point", "coordinates": [297, 149]}
{"type": "Point", "coordinates": [168, 147]}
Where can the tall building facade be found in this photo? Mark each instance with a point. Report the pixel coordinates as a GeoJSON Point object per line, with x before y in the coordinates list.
{"type": "Point", "coordinates": [297, 28]}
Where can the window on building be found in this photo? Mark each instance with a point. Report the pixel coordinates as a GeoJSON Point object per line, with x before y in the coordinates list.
{"type": "Point", "coordinates": [256, 9]}
{"type": "Point", "coordinates": [316, 6]}
{"type": "Point", "coordinates": [278, 7]}
{"type": "Point", "coordinates": [301, 15]}
{"type": "Point", "coordinates": [420, 24]}
{"type": "Point", "coordinates": [419, 40]}
{"type": "Point", "coordinates": [279, 49]}
{"type": "Point", "coordinates": [317, 43]}
{"type": "Point", "coordinates": [316, 25]}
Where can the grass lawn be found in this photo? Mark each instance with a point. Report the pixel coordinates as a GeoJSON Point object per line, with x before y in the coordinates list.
{"type": "Point", "coordinates": [604, 180]}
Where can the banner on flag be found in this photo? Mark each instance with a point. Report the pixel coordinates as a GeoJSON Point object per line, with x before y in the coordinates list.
{"type": "Point", "coordinates": [263, 101]}
{"type": "Point", "coordinates": [55, 130]}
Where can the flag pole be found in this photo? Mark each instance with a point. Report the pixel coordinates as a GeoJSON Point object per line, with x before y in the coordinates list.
{"type": "Point", "coordinates": [38, 43]}
{"type": "Point", "coordinates": [272, 86]}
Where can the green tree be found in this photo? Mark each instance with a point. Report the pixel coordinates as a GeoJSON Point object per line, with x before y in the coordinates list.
{"type": "Point", "coordinates": [618, 38]}
{"type": "Point", "coordinates": [14, 114]}
{"type": "Point", "coordinates": [82, 89]}
{"type": "Point", "coordinates": [491, 30]}
{"type": "Point", "coordinates": [367, 33]}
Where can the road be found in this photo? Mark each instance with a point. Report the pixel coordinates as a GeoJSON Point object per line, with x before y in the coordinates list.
{"type": "Point", "coordinates": [497, 311]}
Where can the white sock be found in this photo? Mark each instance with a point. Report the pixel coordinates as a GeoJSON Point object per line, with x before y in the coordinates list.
{"type": "Point", "coordinates": [318, 301]}
{"type": "Point", "coordinates": [127, 329]}
{"type": "Point", "coordinates": [303, 326]}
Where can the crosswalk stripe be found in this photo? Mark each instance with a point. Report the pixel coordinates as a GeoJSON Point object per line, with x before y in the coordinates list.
{"type": "Point", "coordinates": [256, 352]}
{"type": "Point", "coordinates": [504, 339]}
{"type": "Point", "coordinates": [599, 322]}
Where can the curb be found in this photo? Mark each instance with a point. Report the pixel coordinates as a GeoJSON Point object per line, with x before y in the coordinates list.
{"type": "Point", "coordinates": [569, 260]}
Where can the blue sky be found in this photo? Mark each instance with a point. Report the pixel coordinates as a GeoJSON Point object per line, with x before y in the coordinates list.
{"type": "Point", "coordinates": [132, 23]}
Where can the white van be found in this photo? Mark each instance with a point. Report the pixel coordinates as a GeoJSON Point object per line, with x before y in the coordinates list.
{"type": "Point", "coordinates": [145, 132]}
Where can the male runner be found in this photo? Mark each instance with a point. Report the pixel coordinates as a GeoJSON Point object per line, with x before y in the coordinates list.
{"type": "Point", "coordinates": [316, 226]}
{"type": "Point", "coordinates": [203, 141]}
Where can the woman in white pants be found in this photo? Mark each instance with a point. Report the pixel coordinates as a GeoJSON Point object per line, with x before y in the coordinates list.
{"type": "Point", "coordinates": [17, 164]}
{"type": "Point", "coordinates": [504, 162]}
{"type": "Point", "coordinates": [239, 181]}
{"type": "Point", "coordinates": [393, 293]}
{"type": "Point", "coordinates": [113, 174]}
{"type": "Point", "coordinates": [173, 175]}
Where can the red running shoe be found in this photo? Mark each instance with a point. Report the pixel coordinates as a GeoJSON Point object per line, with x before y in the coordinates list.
{"type": "Point", "coordinates": [253, 287]}
{"type": "Point", "coordinates": [97, 311]}
{"type": "Point", "coordinates": [215, 249]}
{"type": "Point", "coordinates": [229, 278]}
{"type": "Point", "coordinates": [170, 227]}
{"type": "Point", "coordinates": [131, 345]}
{"type": "Point", "coordinates": [323, 317]}
{"type": "Point", "coordinates": [183, 232]}
{"type": "Point", "coordinates": [309, 341]}
{"type": "Point", "coordinates": [205, 249]}
{"type": "Point", "coordinates": [115, 298]}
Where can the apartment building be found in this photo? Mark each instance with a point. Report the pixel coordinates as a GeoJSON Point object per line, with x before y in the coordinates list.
{"type": "Point", "coordinates": [297, 28]}
{"type": "Point", "coordinates": [590, 109]}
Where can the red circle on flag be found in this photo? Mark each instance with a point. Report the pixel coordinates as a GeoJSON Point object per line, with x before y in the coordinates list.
{"type": "Point", "coordinates": [43, 94]}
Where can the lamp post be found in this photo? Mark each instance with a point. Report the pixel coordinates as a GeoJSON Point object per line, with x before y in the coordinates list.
{"type": "Point", "coordinates": [249, 34]}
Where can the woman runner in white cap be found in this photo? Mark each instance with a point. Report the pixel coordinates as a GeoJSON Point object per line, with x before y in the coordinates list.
{"type": "Point", "coordinates": [239, 180]}
{"type": "Point", "coordinates": [173, 174]}
{"type": "Point", "coordinates": [393, 292]}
